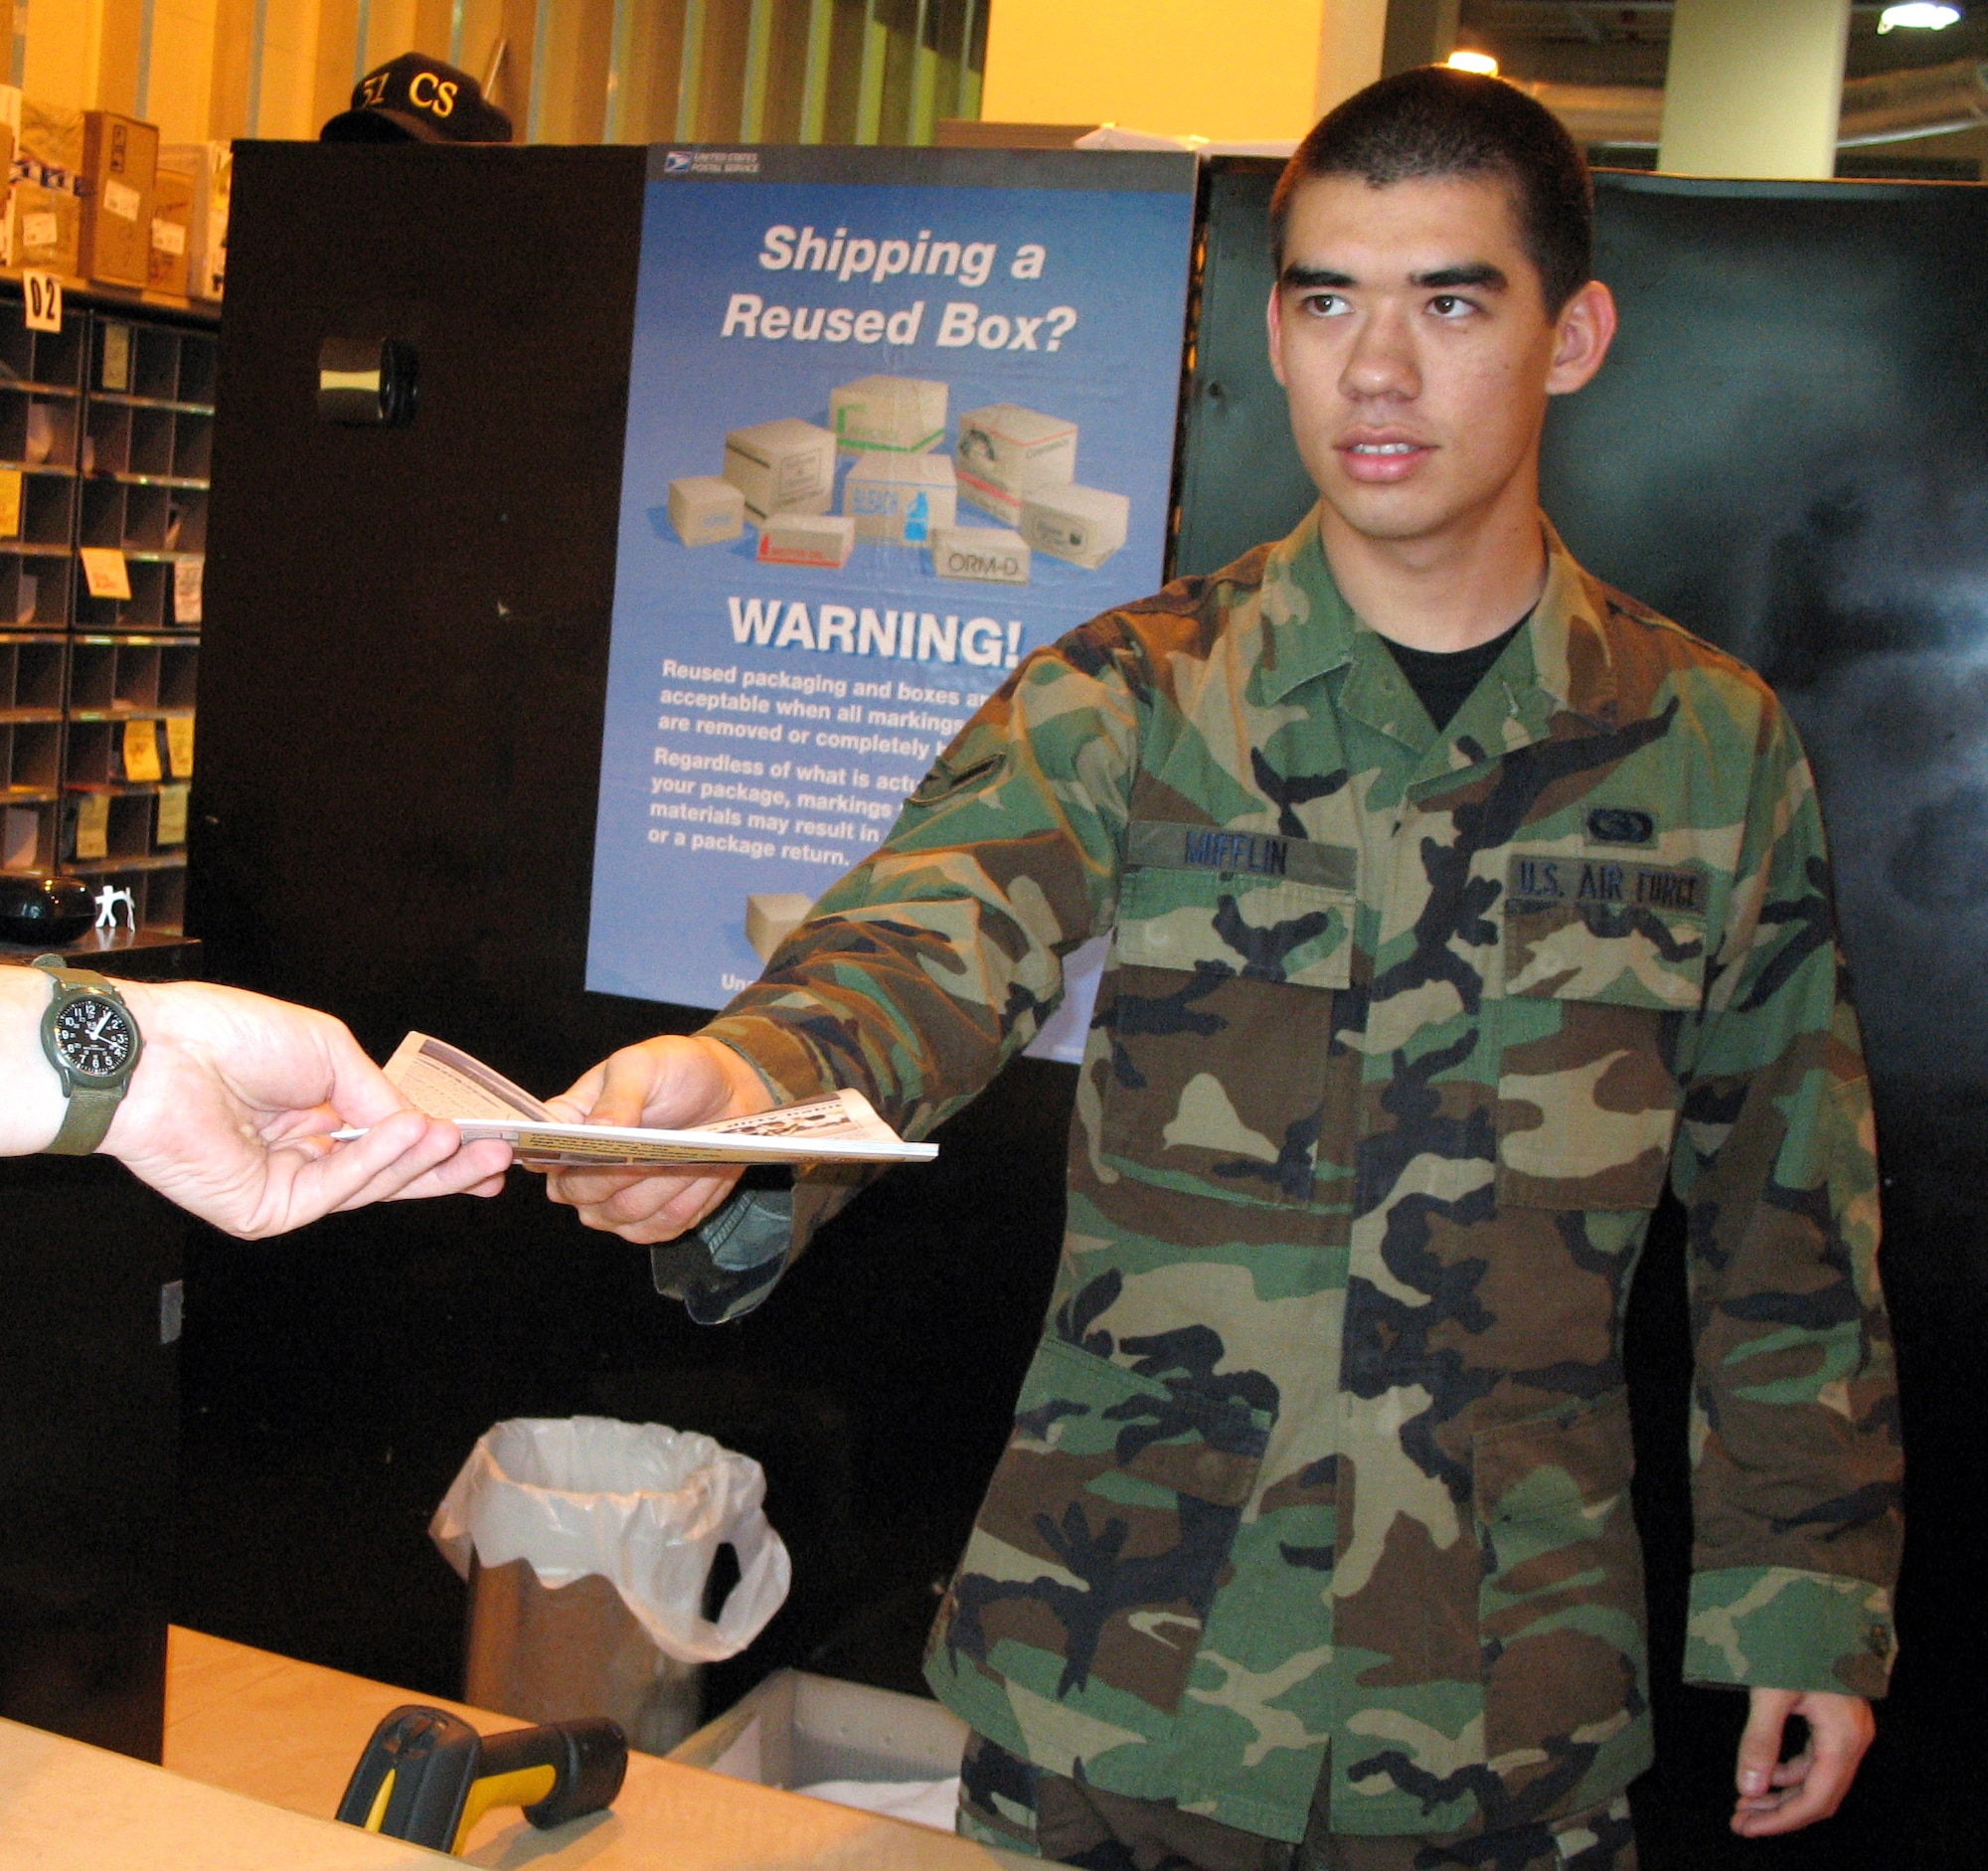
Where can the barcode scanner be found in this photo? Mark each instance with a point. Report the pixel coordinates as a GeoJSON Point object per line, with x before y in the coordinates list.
{"type": "Point", "coordinates": [427, 1776]}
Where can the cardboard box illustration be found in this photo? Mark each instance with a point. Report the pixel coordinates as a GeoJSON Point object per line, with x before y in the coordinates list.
{"type": "Point", "coordinates": [901, 497]}
{"type": "Point", "coordinates": [120, 161]}
{"type": "Point", "coordinates": [989, 554]}
{"type": "Point", "coordinates": [172, 232]}
{"type": "Point", "coordinates": [783, 467]}
{"type": "Point", "coordinates": [806, 539]}
{"type": "Point", "coordinates": [1005, 451]}
{"type": "Point", "coordinates": [771, 917]}
{"type": "Point", "coordinates": [706, 510]}
{"type": "Point", "coordinates": [892, 415]}
{"type": "Point", "coordinates": [1085, 525]}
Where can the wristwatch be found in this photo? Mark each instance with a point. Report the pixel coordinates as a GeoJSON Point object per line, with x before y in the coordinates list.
{"type": "Point", "coordinates": [93, 1042]}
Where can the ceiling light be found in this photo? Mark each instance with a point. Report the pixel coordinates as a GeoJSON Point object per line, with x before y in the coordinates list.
{"type": "Point", "coordinates": [1924, 15]}
{"type": "Point", "coordinates": [1487, 66]}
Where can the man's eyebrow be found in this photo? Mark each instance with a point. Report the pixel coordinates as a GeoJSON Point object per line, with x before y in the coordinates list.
{"type": "Point", "coordinates": [1475, 274]}
{"type": "Point", "coordinates": [1310, 279]}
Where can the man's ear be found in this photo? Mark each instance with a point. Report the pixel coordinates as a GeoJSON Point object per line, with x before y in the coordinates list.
{"type": "Point", "coordinates": [1275, 320]}
{"type": "Point", "coordinates": [1582, 334]}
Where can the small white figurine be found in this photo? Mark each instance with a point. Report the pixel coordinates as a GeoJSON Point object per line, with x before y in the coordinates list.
{"type": "Point", "coordinates": [107, 901]}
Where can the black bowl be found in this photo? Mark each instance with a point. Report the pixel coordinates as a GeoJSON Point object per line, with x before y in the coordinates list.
{"type": "Point", "coordinates": [45, 911]}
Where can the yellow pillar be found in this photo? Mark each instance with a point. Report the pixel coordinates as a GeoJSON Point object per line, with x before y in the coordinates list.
{"type": "Point", "coordinates": [1241, 71]}
{"type": "Point", "coordinates": [1755, 87]}
{"type": "Point", "coordinates": [1352, 36]}
{"type": "Point", "coordinates": [85, 55]}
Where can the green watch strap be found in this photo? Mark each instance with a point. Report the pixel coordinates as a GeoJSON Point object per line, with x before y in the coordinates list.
{"type": "Point", "coordinates": [86, 1121]}
{"type": "Point", "coordinates": [89, 1108]}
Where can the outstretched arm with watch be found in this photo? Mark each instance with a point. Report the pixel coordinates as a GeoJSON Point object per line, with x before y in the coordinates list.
{"type": "Point", "coordinates": [219, 1099]}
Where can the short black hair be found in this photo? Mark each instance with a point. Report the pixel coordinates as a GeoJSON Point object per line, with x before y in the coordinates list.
{"type": "Point", "coordinates": [1433, 122]}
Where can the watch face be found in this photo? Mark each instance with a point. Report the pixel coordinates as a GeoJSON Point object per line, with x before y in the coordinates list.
{"type": "Point", "coordinates": [95, 1037]}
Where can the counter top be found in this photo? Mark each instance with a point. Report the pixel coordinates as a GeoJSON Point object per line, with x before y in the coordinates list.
{"type": "Point", "coordinates": [65, 1806]}
{"type": "Point", "coordinates": [289, 1733]}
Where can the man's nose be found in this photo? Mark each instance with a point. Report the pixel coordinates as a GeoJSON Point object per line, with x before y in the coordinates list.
{"type": "Point", "coordinates": [1382, 362]}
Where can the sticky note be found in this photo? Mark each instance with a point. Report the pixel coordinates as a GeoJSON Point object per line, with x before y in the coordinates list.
{"type": "Point", "coordinates": [10, 503]}
{"type": "Point", "coordinates": [141, 751]}
{"type": "Point", "coordinates": [116, 355]}
{"type": "Point", "coordinates": [105, 572]}
{"type": "Point", "coordinates": [93, 825]}
{"type": "Point", "coordinates": [179, 745]}
{"type": "Point", "coordinates": [172, 815]}
{"type": "Point", "coordinates": [187, 579]}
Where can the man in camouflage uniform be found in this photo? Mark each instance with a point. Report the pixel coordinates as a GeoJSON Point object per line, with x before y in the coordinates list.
{"type": "Point", "coordinates": [1439, 941]}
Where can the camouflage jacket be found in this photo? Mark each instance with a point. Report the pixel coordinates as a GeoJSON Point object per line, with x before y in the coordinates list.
{"type": "Point", "coordinates": [1326, 1441]}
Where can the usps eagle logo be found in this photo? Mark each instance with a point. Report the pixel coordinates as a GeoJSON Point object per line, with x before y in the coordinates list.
{"type": "Point", "coordinates": [676, 162]}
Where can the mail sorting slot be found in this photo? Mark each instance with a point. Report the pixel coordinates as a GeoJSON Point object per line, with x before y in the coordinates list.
{"type": "Point", "coordinates": [366, 381]}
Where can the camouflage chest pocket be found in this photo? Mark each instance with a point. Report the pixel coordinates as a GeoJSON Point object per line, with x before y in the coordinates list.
{"type": "Point", "coordinates": [1602, 961]}
{"type": "Point", "coordinates": [1104, 1534]}
{"type": "Point", "coordinates": [1218, 1007]}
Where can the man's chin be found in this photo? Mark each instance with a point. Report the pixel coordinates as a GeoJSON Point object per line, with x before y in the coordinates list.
{"type": "Point", "coordinates": [1387, 513]}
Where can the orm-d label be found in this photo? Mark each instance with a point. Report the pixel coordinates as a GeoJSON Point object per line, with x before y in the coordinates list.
{"type": "Point", "coordinates": [987, 554]}
{"type": "Point", "coordinates": [1533, 881]}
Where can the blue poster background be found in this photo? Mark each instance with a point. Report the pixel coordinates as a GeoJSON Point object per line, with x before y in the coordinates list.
{"type": "Point", "coordinates": [747, 750]}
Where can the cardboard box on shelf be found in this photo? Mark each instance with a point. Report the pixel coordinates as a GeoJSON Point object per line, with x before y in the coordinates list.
{"type": "Point", "coordinates": [44, 229]}
{"type": "Point", "coordinates": [120, 161]}
{"type": "Point", "coordinates": [172, 232]}
{"type": "Point", "coordinates": [1085, 525]}
{"type": "Point", "coordinates": [901, 497]}
{"type": "Point", "coordinates": [783, 467]}
{"type": "Point", "coordinates": [823, 540]}
{"type": "Point", "coordinates": [989, 555]}
{"type": "Point", "coordinates": [50, 134]}
{"type": "Point", "coordinates": [1005, 451]}
{"type": "Point", "coordinates": [890, 414]}
{"type": "Point", "coordinates": [706, 510]}
{"type": "Point", "coordinates": [212, 166]}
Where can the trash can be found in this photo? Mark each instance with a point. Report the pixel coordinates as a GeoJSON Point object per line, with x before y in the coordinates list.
{"type": "Point", "coordinates": [587, 1544]}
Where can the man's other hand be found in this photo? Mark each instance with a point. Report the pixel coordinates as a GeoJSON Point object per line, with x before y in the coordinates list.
{"type": "Point", "coordinates": [666, 1084]}
{"type": "Point", "coordinates": [1777, 1796]}
{"type": "Point", "coordinates": [231, 1109]}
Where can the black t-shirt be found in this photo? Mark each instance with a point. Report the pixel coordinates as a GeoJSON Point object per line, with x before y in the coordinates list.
{"type": "Point", "coordinates": [1443, 679]}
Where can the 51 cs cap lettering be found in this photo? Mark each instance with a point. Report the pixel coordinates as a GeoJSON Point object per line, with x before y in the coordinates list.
{"type": "Point", "coordinates": [415, 100]}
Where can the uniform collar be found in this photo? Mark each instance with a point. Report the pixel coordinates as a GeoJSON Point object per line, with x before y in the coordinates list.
{"type": "Point", "coordinates": [1310, 631]}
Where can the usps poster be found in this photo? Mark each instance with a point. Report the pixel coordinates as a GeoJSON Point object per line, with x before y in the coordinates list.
{"type": "Point", "coordinates": [896, 418]}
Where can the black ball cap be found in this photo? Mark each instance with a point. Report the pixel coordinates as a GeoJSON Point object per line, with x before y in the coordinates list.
{"type": "Point", "coordinates": [415, 100]}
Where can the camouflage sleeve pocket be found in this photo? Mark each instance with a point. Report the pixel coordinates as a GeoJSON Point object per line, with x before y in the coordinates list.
{"type": "Point", "coordinates": [1104, 1531]}
{"type": "Point", "coordinates": [1561, 1597]}
{"type": "Point", "coordinates": [1595, 991]}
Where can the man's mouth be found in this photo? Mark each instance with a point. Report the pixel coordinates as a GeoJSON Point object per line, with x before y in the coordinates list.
{"type": "Point", "coordinates": [1378, 460]}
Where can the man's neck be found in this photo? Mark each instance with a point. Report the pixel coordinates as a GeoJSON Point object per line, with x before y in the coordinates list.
{"type": "Point", "coordinates": [1447, 592]}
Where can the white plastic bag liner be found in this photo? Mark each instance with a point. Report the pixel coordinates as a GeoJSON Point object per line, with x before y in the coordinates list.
{"type": "Point", "coordinates": [643, 1506]}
